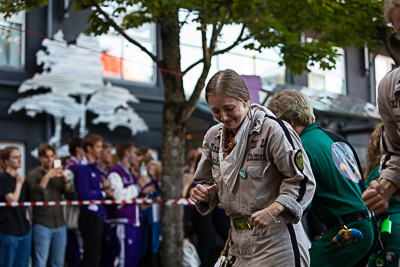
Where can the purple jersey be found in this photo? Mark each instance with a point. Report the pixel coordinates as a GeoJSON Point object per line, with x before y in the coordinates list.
{"type": "Point", "coordinates": [127, 213]}
{"type": "Point", "coordinates": [87, 185]}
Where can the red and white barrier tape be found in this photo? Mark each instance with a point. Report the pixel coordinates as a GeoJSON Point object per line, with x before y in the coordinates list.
{"type": "Point", "coordinates": [167, 202]}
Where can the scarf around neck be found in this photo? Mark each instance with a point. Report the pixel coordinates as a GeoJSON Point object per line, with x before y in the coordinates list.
{"type": "Point", "coordinates": [230, 164]}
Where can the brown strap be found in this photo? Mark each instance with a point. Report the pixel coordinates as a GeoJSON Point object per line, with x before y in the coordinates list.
{"type": "Point", "coordinates": [226, 248]}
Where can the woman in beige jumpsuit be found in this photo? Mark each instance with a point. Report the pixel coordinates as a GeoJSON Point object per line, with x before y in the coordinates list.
{"type": "Point", "coordinates": [254, 166]}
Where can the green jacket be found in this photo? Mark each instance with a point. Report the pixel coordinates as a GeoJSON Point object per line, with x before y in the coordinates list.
{"type": "Point", "coordinates": [334, 195]}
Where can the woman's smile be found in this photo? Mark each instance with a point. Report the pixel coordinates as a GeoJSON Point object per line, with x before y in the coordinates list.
{"type": "Point", "coordinates": [228, 110]}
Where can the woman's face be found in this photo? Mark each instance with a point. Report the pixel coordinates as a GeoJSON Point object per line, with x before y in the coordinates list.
{"type": "Point", "coordinates": [228, 110]}
{"type": "Point", "coordinates": [15, 160]}
{"type": "Point", "coordinates": [150, 167]}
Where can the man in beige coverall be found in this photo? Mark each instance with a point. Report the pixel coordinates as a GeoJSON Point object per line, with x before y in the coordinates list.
{"type": "Point", "coordinates": [377, 195]}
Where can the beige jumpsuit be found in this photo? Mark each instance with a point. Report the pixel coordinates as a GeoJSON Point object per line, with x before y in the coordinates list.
{"type": "Point", "coordinates": [389, 109]}
{"type": "Point", "coordinates": [271, 175]}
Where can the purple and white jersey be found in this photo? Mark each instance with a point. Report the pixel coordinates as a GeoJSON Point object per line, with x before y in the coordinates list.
{"type": "Point", "coordinates": [125, 184]}
{"type": "Point", "coordinates": [70, 169]}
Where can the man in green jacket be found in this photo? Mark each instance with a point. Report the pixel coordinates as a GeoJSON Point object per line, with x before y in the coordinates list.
{"type": "Point", "coordinates": [337, 201]}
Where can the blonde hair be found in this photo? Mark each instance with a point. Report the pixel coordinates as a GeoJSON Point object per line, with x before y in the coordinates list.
{"type": "Point", "coordinates": [374, 150]}
{"type": "Point", "coordinates": [227, 83]}
{"type": "Point", "coordinates": [291, 105]}
{"type": "Point", "coordinates": [388, 8]}
{"type": "Point", "coordinates": [157, 170]}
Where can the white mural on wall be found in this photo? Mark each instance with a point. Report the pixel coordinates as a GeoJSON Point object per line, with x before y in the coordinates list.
{"type": "Point", "coordinates": [73, 74]}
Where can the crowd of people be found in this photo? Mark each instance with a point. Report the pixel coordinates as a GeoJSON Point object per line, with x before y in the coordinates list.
{"type": "Point", "coordinates": [86, 235]}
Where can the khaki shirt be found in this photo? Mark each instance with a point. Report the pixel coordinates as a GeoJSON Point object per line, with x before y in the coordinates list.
{"type": "Point", "coordinates": [389, 109]}
{"type": "Point", "coordinates": [271, 173]}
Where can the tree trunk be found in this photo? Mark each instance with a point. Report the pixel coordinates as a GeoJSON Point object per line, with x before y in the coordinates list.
{"type": "Point", "coordinates": [173, 148]}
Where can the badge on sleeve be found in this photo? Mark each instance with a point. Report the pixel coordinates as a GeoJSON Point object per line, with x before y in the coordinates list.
{"type": "Point", "coordinates": [298, 159]}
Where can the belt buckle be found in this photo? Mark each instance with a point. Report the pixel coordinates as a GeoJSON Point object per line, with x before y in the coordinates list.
{"type": "Point", "coordinates": [241, 223]}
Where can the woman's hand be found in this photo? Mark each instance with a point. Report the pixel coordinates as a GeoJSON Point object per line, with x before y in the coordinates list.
{"type": "Point", "coordinates": [200, 193]}
{"type": "Point", "coordinates": [262, 218]}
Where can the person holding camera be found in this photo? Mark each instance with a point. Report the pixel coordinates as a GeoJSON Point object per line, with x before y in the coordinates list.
{"type": "Point", "coordinates": [48, 183]}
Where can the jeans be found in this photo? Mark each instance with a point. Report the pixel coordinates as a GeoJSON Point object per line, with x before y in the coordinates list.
{"type": "Point", "coordinates": [49, 244]}
{"type": "Point", "coordinates": [15, 251]}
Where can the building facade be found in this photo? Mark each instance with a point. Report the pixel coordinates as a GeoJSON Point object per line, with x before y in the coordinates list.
{"type": "Point", "coordinates": [31, 90]}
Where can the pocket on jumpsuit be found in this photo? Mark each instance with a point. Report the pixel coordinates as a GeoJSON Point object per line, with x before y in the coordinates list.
{"type": "Point", "coordinates": [270, 242]}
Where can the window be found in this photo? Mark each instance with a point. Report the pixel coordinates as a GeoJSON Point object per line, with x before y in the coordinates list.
{"type": "Point", "coordinates": [243, 61]}
{"type": "Point", "coordinates": [383, 64]}
{"type": "Point", "coordinates": [12, 41]}
{"type": "Point", "coordinates": [328, 80]}
{"type": "Point", "coordinates": [125, 61]}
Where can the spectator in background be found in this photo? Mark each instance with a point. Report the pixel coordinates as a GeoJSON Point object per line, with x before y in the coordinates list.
{"type": "Point", "coordinates": [48, 183]}
{"type": "Point", "coordinates": [158, 172]}
{"type": "Point", "coordinates": [15, 229]}
{"type": "Point", "coordinates": [144, 151]}
{"type": "Point", "coordinates": [388, 254]}
{"type": "Point", "coordinates": [87, 186]}
{"type": "Point", "coordinates": [151, 226]}
{"type": "Point", "coordinates": [191, 160]}
{"type": "Point", "coordinates": [2, 164]}
{"type": "Point", "coordinates": [189, 170]}
{"type": "Point", "coordinates": [201, 226]}
{"type": "Point", "coordinates": [140, 152]}
{"type": "Point", "coordinates": [127, 217]}
{"type": "Point", "coordinates": [104, 162]}
{"type": "Point", "coordinates": [65, 160]}
{"type": "Point", "coordinates": [71, 213]}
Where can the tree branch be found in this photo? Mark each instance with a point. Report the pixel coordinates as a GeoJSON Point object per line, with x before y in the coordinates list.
{"type": "Point", "coordinates": [217, 30]}
{"type": "Point", "coordinates": [207, 54]}
{"type": "Point", "coordinates": [191, 103]}
{"type": "Point", "coordinates": [127, 37]}
{"type": "Point", "coordinates": [235, 43]}
{"type": "Point", "coordinates": [222, 51]}
{"type": "Point", "coordinates": [193, 65]}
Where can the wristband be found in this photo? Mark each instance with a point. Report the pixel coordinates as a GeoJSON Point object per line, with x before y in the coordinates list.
{"type": "Point", "coordinates": [273, 218]}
